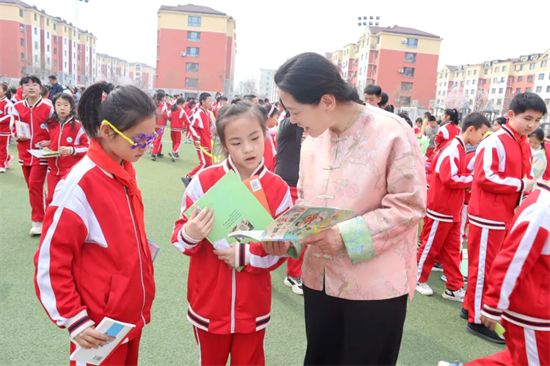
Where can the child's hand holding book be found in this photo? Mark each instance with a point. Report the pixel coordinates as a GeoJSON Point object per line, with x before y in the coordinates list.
{"type": "Point", "coordinates": [91, 338]}
{"type": "Point", "coordinates": [227, 256]}
{"type": "Point", "coordinates": [199, 224]}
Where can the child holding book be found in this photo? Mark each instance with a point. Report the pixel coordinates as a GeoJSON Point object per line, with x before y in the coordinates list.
{"type": "Point", "coordinates": [230, 309]}
{"type": "Point", "coordinates": [94, 260]}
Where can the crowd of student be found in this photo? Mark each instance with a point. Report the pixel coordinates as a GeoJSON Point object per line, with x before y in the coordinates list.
{"type": "Point", "coordinates": [508, 247]}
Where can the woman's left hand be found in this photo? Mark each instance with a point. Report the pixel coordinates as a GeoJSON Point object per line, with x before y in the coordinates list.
{"type": "Point", "coordinates": [329, 241]}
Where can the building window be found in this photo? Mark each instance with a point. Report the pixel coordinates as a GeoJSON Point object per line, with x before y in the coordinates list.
{"type": "Point", "coordinates": [493, 91]}
{"type": "Point", "coordinates": [529, 78]}
{"type": "Point", "coordinates": [521, 67]}
{"type": "Point", "coordinates": [405, 100]}
{"type": "Point", "coordinates": [22, 41]}
{"type": "Point", "coordinates": [55, 63]}
{"type": "Point", "coordinates": [406, 86]}
{"type": "Point", "coordinates": [495, 80]}
{"type": "Point", "coordinates": [35, 17]}
{"type": "Point", "coordinates": [22, 28]}
{"type": "Point", "coordinates": [502, 79]}
{"type": "Point", "coordinates": [47, 22]}
{"type": "Point", "coordinates": [35, 31]}
{"type": "Point", "coordinates": [54, 39]}
{"type": "Point", "coordinates": [410, 57]}
{"type": "Point", "coordinates": [65, 52]}
{"type": "Point", "coordinates": [36, 44]}
{"type": "Point", "coordinates": [543, 63]}
{"type": "Point", "coordinates": [547, 88]}
{"type": "Point", "coordinates": [500, 91]}
{"type": "Point", "coordinates": [21, 13]}
{"type": "Point", "coordinates": [35, 58]}
{"type": "Point", "coordinates": [412, 42]}
{"type": "Point", "coordinates": [484, 81]}
{"type": "Point", "coordinates": [499, 101]}
{"type": "Point", "coordinates": [486, 71]}
{"type": "Point", "coordinates": [475, 72]}
{"type": "Point", "coordinates": [408, 72]}
{"type": "Point", "coordinates": [497, 69]}
{"type": "Point", "coordinates": [55, 51]}
{"type": "Point", "coordinates": [518, 90]}
{"type": "Point", "coordinates": [539, 89]}
{"type": "Point", "coordinates": [504, 68]}
{"type": "Point", "coordinates": [22, 56]}
{"type": "Point", "coordinates": [194, 22]}
{"type": "Point", "coordinates": [55, 26]}
{"type": "Point", "coordinates": [192, 67]}
{"type": "Point", "coordinates": [193, 36]}
{"type": "Point", "coordinates": [191, 83]}
{"type": "Point", "coordinates": [193, 52]}
{"type": "Point", "coordinates": [532, 66]}
{"type": "Point", "coordinates": [528, 90]}
{"type": "Point", "coordinates": [469, 72]}
{"type": "Point", "coordinates": [541, 76]}
{"type": "Point", "coordinates": [520, 79]}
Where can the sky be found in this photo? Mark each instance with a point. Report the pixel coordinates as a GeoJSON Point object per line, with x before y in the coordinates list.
{"type": "Point", "coordinates": [270, 32]}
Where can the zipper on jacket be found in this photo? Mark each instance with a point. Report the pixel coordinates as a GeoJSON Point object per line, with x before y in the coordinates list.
{"type": "Point", "coordinates": [32, 136]}
{"type": "Point", "coordinates": [139, 253]}
{"type": "Point", "coordinates": [59, 146]}
{"type": "Point", "coordinates": [233, 298]}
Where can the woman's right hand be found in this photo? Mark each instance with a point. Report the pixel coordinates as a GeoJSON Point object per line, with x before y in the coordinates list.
{"type": "Point", "coordinates": [91, 338]}
{"type": "Point", "coordinates": [200, 224]}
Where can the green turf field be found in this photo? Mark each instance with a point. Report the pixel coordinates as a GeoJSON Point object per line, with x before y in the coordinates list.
{"type": "Point", "coordinates": [433, 330]}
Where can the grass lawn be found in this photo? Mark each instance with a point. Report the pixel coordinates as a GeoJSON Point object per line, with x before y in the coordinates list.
{"type": "Point", "coordinates": [433, 329]}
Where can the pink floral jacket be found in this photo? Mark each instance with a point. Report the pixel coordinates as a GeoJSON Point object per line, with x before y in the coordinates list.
{"type": "Point", "coordinates": [375, 168]}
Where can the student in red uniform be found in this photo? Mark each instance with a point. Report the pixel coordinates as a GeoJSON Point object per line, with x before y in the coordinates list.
{"type": "Point", "coordinates": [178, 122]}
{"type": "Point", "coordinates": [448, 130]}
{"type": "Point", "coordinates": [418, 125]}
{"type": "Point", "coordinates": [441, 232]}
{"type": "Point", "coordinates": [270, 149]}
{"type": "Point", "coordinates": [229, 309]}
{"type": "Point", "coordinates": [200, 128]}
{"type": "Point", "coordinates": [162, 116]}
{"type": "Point", "coordinates": [546, 174]}
{"type": "Point", "coordinates": [5, 121]}
{"type": "Point", "coordinates": [66, 135]}
{"type": "Point", "coordinates": [94, 260]}
{"type": "Point", "coordinates": [502, 174]}
{"type": "Point", "coordinates": [33, 111]}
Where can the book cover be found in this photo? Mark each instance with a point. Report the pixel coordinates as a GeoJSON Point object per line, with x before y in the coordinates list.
{"type": "Point", "coordinates": [255, 186]}
{"type": "Point", "coordinates": [45, 153]}
{"type": "Point", "coordinates": [115, 331]}
{"type": "Point", "coordinates": [22, 129]}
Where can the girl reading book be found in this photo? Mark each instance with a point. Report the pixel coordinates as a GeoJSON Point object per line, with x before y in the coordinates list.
{"type": "Point", "coordinates": [230, 309]}
{"type": "Point", "coordinates": [94, 260]}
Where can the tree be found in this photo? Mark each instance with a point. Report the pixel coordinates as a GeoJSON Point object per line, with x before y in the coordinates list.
{"type": "Point", "coordinates": [480, 100]}
{"type": "Point", "coordinates": [247, 86]}
{"type": "Point", "coordinates": [454, 99]}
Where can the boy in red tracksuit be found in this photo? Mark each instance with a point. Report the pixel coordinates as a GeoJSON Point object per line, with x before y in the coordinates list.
{"type": "Point", "coordinates": [5, 124]}
{"type": "Point", "coordinates": [66, 135]}
{"type": "Point", "coordinates": [162, 115]}
{"type": "Point", "coordinates": [441, 230]}
{"type": "Point", "coordinates": [502, 174]}
{"type": "Point", "coordinates": [518, 285]}
{"type": "Point", "coordinates": [178, 121]}
{"type": "Point", "coordinates": [200, 128]}
{"type": "Point", "coordinates": [546, 174]}
{"type": "Point", "coordinates": [230, 309]}
{"type": "Point", "coordinates": [33, 111]}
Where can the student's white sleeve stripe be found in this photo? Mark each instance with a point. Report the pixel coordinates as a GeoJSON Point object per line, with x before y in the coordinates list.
{"type": "Point", "coordinates": [535, 217]}
{"type": "Point", "coordinates": [263, 262]}
{"type": "Point", "coordinates": [193, 191]}
{"type": "Point", "coordinates": [79, 135]}
{"type": "Point", "coordinates": [488, 162]}
{"type": "Point", "coordinates": [181, 113]}
{"type": "Point", "coordinates": [445, 132]}
{"type": "Point", "coordinates": [285, 204]}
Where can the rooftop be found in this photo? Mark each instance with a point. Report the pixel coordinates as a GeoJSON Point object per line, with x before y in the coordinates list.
{"type": "Point", "coordinates": [190, 8]}
{"type": "Point", "coordinates": [401, 30]}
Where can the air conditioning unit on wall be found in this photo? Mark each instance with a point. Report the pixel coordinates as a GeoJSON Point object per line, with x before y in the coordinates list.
{"type": "Point", "coordinates": [183, 54]}
{"type": "Point", "coordinates": [401, 71]}
{"type": "Point", "coordinates": [404, 41]}
{"type": "Point", "coordinates": [372, 46]}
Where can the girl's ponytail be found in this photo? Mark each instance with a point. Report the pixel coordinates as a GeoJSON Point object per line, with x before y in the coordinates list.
{"type": "Point", "coordinates": [88, 107]}
{"type": "Point", "coordinates": [453, 115]}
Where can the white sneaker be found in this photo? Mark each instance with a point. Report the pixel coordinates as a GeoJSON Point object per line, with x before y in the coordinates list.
{"type": "Point", "coordinates": [2, 170]}
{"type": "Point", "coordinates": [295, 283]}
{"type": "Point", "coordinates": [424, 289]}
{"type": "Point", "coordinates": [457, 295]}
{"type": "Point", "coordinates": [36, 228]}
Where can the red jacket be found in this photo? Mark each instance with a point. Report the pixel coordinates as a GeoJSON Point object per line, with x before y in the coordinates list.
{"type": "Point", "coordinates": [178, 120]}
{"type": "Point", "coordinates": [66, 135]}
{"type": "Point", "coordinates": [445, 134]}
{"type": "Point", "coordinates": [200, 128]}
{"type": "Point", "coordinates": [546, 174]}
{"type": "Point", "coordinates": [36, 117]}
{"type": "Point", "coordinates": [519, 279]}
{"type": "Point", "coordinates": [90, 264]}
{"type": "Point", "coordinates": [5, 116]}
{"type": "Point", "coordinates": [162, 114]}
{"type": "Point", "coordinates": [470, 163]}
{"type": "Point", "coordinates": [222, 300]}
{"type": "Point", "coordinates": [449, 180]}
{"type": "Point", "coordinates": [270, 152]}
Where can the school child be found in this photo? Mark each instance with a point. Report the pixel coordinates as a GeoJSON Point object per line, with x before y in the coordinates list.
{"type": "Point", "coordinates": [178, 122]}
{"type": "Point", "coordinates": [34, 111]}
{"type": "Point", "coordinates": [66, 135]}
{"type": "Point", "coordinates": [94, 260]}
{"type": "Point", "coordinates": [5, 124]}
{"type": "Point", "coordinates": [270, 148]}
{"type": "Point", "coordinates": [229, 309]}
{"type": "Point", "coordinates": [201, 132]}
{"type": "Point", "coordinates": [546, 174]}
{"type": "Point", "coordinates": [162, 115]}
{"type": "Point", "coordinates": [448, 130]}
{"type": "Point", "coordinates": [418, 125]}
{"type": "Point", "coordinates": [536, 140]}
{"type": "Point", "coordinates": [441, 231]}
{"type": "Point", "coordinates": [502, 174]}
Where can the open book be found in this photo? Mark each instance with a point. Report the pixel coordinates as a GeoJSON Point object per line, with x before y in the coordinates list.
{"type": "Point", "coordinates": [22, 129]}
{"type": "Point", "coordinates": [115, 331]}
{"type": "Point", "coordinates": [296, 224]}
{"type": "Point", "coordinates": [45, 153]}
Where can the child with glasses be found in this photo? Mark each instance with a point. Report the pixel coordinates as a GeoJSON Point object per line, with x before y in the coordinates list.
{"type": "Point", "coordinates": [94, 259]}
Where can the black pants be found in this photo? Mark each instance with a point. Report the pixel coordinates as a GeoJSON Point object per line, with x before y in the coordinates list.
{"type": "Point", "coordinates": [348, 332]}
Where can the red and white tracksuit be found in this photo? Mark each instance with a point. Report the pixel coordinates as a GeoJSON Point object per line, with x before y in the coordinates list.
{"type": "Point", "coordinates": [270, 152]}
{"type": "Point", "coordinates": [441, 231]}
{"type": "Point", "coordinates": [470, 162]}
{"type": "Point", "coordinates": [445, 134]}
{"type": "Point", "coordinates": [546, 174]}
{"type": "Point", "coordinates": [519, 286]}
{"type": "Point", "coordinates": [34, 169]}
{"type": "Point", "coordinates": [178, 121]}
{"type": "Point", "coordinates": [230, 309]}
{"type": "Point", "coordinates": [65, 135]}
{"type": "Point", "coordinates": [6, 118]}
{"type": "Point", "coordinates": [200, 127]}
{"type": "Point", "coordinates": [496, 191]}
{"type": "Point", "coordinates": [80, 277]}
{"type": "Point", "coordinates": [162, 116]}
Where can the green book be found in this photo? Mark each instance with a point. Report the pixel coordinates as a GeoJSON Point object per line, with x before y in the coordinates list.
{"type": "Point", "coordinates": [235, 209]}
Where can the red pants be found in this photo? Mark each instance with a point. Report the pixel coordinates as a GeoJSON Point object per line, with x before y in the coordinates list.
{"type": "Point", "coordinates": [204, 161]}
{"type": "Point", "coordinates": [463, 228]}
{"type": "Point", "coordinates": [523, 347]}
{"type": "Point", "coordinates": [35, 176]}
{"type": "Point", "coordinates": [4, 155]}
{"type": "Point", "coordinates": [176, 140]}
{"type": "Point", "coordinates": [483, 246]}
{"type": "Point", "coordinates": [245, 348]}
{"type": "Point", "coordinates": [157, 146]}
{"type": "Point", "coordinates": [294, 266]}
{"type": "Point", "coordinates": [52, 181]}
{"type": "Point", "coordinates": [126, 354]}
{"type": "Point", "coordinates": [441, 238]}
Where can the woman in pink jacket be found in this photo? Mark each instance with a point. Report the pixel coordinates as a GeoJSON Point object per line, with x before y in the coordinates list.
{"type": "Point", "coordinates": [357, 275]}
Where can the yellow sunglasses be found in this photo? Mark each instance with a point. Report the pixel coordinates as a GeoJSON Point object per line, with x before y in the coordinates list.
{"type": "Point", "coordinates": [135, 142]}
